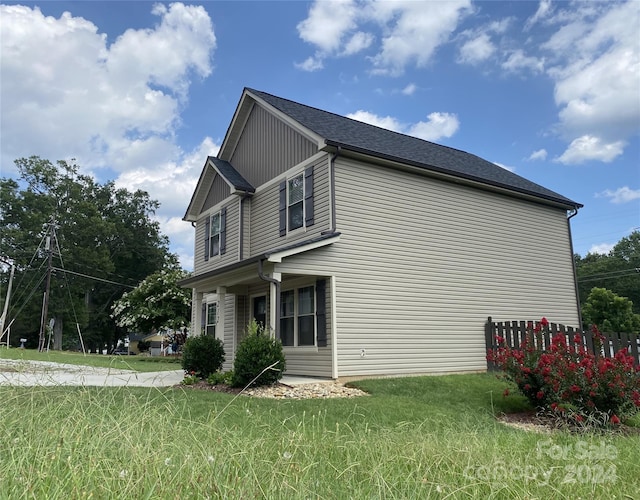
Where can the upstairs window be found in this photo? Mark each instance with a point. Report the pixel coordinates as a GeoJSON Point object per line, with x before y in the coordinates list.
{"type": "Point", "coordinates": [296, 202]}
{"type": "Point", "coordinates": [215, 234]}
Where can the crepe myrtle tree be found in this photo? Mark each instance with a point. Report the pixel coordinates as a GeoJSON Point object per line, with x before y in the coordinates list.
{"type": "Point", "coordinates": [157, 302]}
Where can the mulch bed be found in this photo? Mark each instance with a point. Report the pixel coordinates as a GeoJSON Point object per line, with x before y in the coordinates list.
{"type": "Point", "coordinates": [532, 421]}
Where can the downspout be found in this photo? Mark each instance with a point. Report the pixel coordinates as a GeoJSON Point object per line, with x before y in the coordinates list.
{"type": "Point", "coordinates": [573, 266]}
{"type": "Point", "coordinates": [241, 229]}
{"type": "Point", "coordinates": [264, 277]}
{"type": "Point", "coordinates": [332, 181]}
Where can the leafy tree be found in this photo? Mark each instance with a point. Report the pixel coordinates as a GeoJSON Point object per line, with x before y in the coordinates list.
{"type": "Point", "coordinates": [618, 271]}
{"type": "Point", "coordinates": [101, 233]}
{"type": "Point", "coordinates": [610, 312]}
{"type": "Point", "coordinates": [158, 302]}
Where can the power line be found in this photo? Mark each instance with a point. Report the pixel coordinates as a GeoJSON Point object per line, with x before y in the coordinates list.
{"type": "Point", "coordinates": [93, 277]}
{"type": "Point", "coordinates": [611, 275]}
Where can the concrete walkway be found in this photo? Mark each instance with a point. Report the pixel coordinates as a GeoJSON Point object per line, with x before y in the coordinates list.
{"type": "Point", "coordinates": [46, 373]}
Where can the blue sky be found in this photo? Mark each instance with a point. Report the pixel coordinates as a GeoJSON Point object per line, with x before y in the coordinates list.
{"type": "Point", "coordinates": [141, 92]}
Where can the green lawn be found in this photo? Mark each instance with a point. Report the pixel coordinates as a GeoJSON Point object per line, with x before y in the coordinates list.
{"type": "Point", "coordinates": [423, 437]}
{"type": "Point", "coordinates": [138, 363]}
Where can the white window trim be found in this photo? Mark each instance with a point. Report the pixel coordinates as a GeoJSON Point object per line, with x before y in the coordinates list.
{"type": "Point", "coordinates": [303, 227]}
{"type": "Point", "coordinates": [210, 235]}
{"type": "Point", "coordinates": [296, 301]}
{"type": "Point", "coordinates": [206, 321]}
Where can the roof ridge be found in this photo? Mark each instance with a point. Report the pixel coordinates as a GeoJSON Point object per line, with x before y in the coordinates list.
{"type": "Point", "coordinates": [381, 142]}
{"type": "Point", "coordinates": [360, 122]}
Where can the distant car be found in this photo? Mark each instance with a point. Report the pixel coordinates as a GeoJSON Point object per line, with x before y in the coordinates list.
{"type": "Point", "coordinates": [122, 351]}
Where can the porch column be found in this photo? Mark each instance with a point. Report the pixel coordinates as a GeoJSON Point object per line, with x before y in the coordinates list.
{"type": "Point", "coordinates": [222, 293]}
{"type": "Point", "coordinates": [274, 304]}
{"type": "Point", "coordinates": [196, 313]}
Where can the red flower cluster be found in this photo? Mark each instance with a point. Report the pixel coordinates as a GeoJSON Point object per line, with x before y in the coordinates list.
{"type": "Point", "coordinates": [569, 379]}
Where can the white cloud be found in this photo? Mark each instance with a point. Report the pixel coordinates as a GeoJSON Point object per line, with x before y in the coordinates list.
{"type": "Point", "coordinates": [328, 23]}
{"type": "Point", "coordinates": [620, 195]}
{"type": "Point", "coordinates": [437, 126]}
{"type": "Point", "coordinates": [172, 183]}
{"type": "Point", "coordinates": [413, 31]}
{"type": "Point", "coordinates": [540, 154]}
{"type": "Point", "coordinates": [311, 63]}
{"type": "Point", "coordinates": [588, 148]}
{"type": "Point", "coordinates": [410, 89]}
{"type": "Point", "coordinates": [410, 31]}
{"type": "Point", "coordinates": [387, 122]}
{"type": "Point", "coordinates": [357, 43]}
{"type": "Point", "coordinates": [596, 68]}
{"type": "Point", "coordinates": [100, 104]}
{"type": "Point", "coordinates": [111, 106]}
{"type": "Point", "coordinates": [602, 248]}
{"type": "Point", "coordinates": [544, 10]}
{"type": "Point", "coordinates": [476, 50]}
{"type": "Point", "coordinates": [501, 165]}
{"type": "Point", "coordinates": [518, 61]}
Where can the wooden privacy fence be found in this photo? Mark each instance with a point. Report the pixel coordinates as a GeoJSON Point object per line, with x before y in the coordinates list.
{"type": "Point", "coordinates": [514, 334]}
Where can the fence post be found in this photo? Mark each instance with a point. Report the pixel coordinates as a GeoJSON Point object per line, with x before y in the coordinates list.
{"type": "Point", "coordinates": [489, 339]}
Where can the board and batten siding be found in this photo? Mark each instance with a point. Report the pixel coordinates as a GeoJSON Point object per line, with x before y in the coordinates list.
{"type": "Point", "coordinates": [264, 227]}
{"type": "Point", "coordinates": [422, 262]}
{"type": "Point", "coordinates": [201, 265]}
{"type": "Point", "coordinates": [268, 147]}
{"type": "Point", "coordinates": [219, 191]}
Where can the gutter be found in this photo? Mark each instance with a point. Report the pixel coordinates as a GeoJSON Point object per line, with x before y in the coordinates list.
{"type": "Point", "coordinates": [264, 277]}
{"type": "Point", "coordinates": [458, 176]}
{"type": "Point", "coordinates": [573, 266]}
{"type": "Point", "coordinates": [332, 189]}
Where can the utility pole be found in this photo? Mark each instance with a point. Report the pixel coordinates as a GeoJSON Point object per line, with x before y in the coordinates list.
{"type": "Point", "coordinates": [6, 302]}
{"type": "Point", "coordinates": [45, 300]}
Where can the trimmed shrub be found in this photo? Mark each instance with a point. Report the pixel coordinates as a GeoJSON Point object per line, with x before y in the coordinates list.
{"type": "Point", "coordinates": [255, 353]}
{"type": "Point", "coordinates": [202, 355]}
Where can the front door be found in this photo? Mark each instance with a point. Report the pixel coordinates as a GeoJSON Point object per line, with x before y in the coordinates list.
{"type": "Point", "coordinates": [260, 310]}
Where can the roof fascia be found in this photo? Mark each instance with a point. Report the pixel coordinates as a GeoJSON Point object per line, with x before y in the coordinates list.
{"type": "Point", "coordinates": [238, 122]}
{"type": "Point", "coordinates": [192, 211]}
{"type": "Point", "coordinates": [277, 256]}
{"type": "Point", "coordinates": [365, 155]}
{"type": "Point", "coordinates": [243, 265]}
{"type": "Point", "coordinates": [297, 126]}
{"type": "Point", "coordinates": [229, 183]}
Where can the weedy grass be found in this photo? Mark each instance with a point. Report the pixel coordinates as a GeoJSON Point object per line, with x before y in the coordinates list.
{"type": "Point", "coordinates": [136, 363]}
{"type": "Point", "coordinates": [418, 437]}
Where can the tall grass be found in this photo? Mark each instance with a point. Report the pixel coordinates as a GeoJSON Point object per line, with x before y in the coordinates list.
{"type": "Point", "coordinates": [427, 437]}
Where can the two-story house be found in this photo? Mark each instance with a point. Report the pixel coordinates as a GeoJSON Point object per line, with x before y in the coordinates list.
{"type": "Point", "coordinates": [367, 251]}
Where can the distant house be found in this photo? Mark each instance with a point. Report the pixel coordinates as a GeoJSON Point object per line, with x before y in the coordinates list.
{"type": "Point", "coordinates": [367, 251]}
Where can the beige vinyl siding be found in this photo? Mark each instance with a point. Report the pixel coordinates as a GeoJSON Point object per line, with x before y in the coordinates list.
{"type": "Point", "coordinates": [421, 263]}
{"type": "Point", "coordinates": [219, 191]}
{"type": "Point", "coordinates": [232, 240]}
{"type": "Point", "coordinates": [268, 147]}
{"type": "Point", "coordinates": [310, 362]}
{"type": "Point", "coordinates": [229, 329]}
{"type": "Point", "coordinates": [264, 230]}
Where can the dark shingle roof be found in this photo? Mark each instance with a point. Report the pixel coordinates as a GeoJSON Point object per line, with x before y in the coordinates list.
{"type": "Point", "coordinates": [364, 138]}
{"type": "Point", "coordinates": [232, 175]}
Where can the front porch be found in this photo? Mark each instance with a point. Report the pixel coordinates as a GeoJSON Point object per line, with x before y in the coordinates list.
{"type": "Point", "coordinates": [293, 307]}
